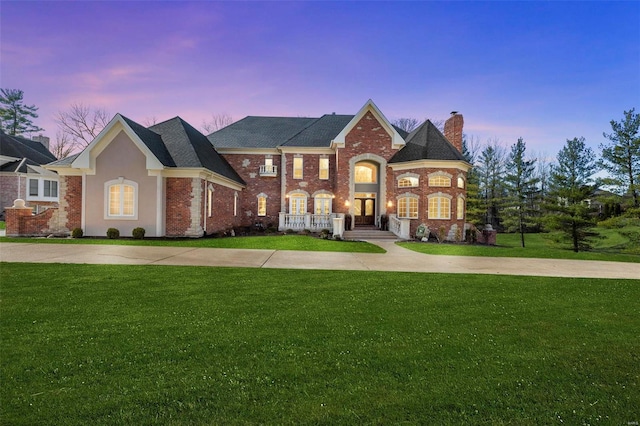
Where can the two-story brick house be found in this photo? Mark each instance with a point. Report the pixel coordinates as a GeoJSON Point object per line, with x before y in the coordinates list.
{"type": "Point", "coordinates": [290, 173]}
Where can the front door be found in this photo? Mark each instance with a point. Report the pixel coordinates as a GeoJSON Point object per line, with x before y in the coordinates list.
{"type": "Point", "coordinates": [364, 211]}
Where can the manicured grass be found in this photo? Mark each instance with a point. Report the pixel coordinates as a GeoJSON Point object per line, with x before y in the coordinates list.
{"type": "Point", "coordinates": [536, 246]}
{"type": "Point", "coordinates": [3, 225]}
{"type": "Point", "coordinates": [277, 242]}
{"type": "Point", "coordinates": [105, 344]}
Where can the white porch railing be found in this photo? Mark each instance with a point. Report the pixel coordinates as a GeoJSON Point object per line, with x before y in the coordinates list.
{"type": "Point", "coordinates": [312, 222]}
{"type": "Point", "coordinates": [400, 227]}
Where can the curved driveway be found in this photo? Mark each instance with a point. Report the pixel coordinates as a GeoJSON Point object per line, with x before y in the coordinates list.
{"type": "Point", "coordinates": [396, 259]}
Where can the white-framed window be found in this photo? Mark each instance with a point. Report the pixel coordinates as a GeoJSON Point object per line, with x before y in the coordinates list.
{"type": "Point", "coordinates": [42, 189]}
{"type": "Point", "coordinates": [441, 180]}
{"type": "Point", "coordinates": [33, 187]}
{"type": "Point", "coordinates": [322, 204]}
{"type": "Point", "coordinates": [460, 208]}
{"type": "Point", "coordinates": [408, 206]}
{"type": "Point", "coordinates": [439, 206]}
{"type": "Point", "coordinates": [121, 199]}
{"type": "Point", "coordinates": [262, 204]}
{"type": "Point", "coordinates": [297, 167]}
{"type": "Point", "coordinates": [297, 203]}
{"type": "Point", "coordinates": [210, 200]}
{"type": "Point", "coordinates": [408, 182]}
{"type": "Point", "coordinates": [460, 182]}
{"type": "Point", "coordinates": [324, 168]}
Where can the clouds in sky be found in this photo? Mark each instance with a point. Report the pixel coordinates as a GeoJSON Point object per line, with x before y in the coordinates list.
{"type": "Point", "coordinates": [546, 71]}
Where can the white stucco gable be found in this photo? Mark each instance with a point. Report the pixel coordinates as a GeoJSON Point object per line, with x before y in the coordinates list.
{"type": "Point", "coordinates": [86, 160]}
{"type": "Point", "coordinates": [397, 141]}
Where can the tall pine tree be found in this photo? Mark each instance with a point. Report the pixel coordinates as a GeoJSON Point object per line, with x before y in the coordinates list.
{"type": "Point", "coordinates": [621, 155]}
{"type": "Point", "coordinates": [522, 190]}
{"type": "Point", "coordinates": [15, 117]}
{"type": "Point", "coordinates": [571, 189]}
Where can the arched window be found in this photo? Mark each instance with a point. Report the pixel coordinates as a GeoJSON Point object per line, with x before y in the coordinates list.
{"type": "Point", "coordinates": [407, 182]}
{"type": "Point", "coordinates": [297, 203]}
{"type": "Point", "coordinates": [439, 180]}
{"type": "Point", "coordinates": [460, 208]}
{"type": "Point", "coordinates": [262, 204]}
{"type": "Point", "coordinates": [322, 203]}
{"type": "Point", "coordinates": [121, 199]}
{"type": "Point", "coordinates": [366, 172]}
{"type": "Point", "coordinates": [460, 182]}
{"type": "Point", "coordinates": [408, 207]}
{"type": "Point", "coordinates": [439, 206]}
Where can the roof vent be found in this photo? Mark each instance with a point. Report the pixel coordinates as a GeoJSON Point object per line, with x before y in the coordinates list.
{"type": "Point", "coordinates": [454, 112]}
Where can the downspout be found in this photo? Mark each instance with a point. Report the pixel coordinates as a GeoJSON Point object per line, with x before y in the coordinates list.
{"type": "Point", "coordinates": [17, 171]}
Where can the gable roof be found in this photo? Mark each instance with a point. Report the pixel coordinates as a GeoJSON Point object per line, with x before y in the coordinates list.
{"type": "Point", "coordinates": [321, 132]}
{"type": "Point", "coordinates": [427, 143]}
{"type": "Point", "coordinates": [32, 152]}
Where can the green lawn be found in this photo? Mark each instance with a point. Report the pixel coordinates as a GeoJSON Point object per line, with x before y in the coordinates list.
{"type": "Point", "coordinates": [3, 225]}
{"type": "Point", "coordinates": [538, 246]}
{"type": "Point", "coordinates": [275, 242]}
{"type": "Point", "coordinates": [105, 344]}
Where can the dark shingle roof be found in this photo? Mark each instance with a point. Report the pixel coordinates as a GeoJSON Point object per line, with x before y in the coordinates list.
{"type": "Point", "coordinates": [427, 143]}
{"type": "Point", "coordinates": [19, 147]}
{"type": "Point", "coordinates": [259, 132]}
{"type": "Point", "coordinates": [187, 147]}
{"type": "Point", "coordinates": [321, 132]}
{"type": "Point", "coordinates": [153, 141]}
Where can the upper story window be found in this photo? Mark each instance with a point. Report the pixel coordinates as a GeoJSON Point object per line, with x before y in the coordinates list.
{"type": "Point", "coordinates": [268, 169]}
{"type": "Point", "coordinates": [460, 182]}
{"type": "Point", "coordinates": [297, 167]}
{"type": "Point", "coordinates": [407, 182]}
{"type": "Point", "coordinates": [366, 172]}
{"type": "Point", "coordinates": [324, 168]}
{"type": "Point", "coordinates": [121, 199]}
{"type": "Point", "coordinates": [440, 179]}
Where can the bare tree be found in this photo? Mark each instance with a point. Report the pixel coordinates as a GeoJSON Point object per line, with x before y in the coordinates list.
{"type": "Point", "coordinates": [406, 124]}
{"type": "Point", "coordinates": [217, 122]}
{"type": "Point", "coordinates": [63, 146]}
{"type": "Point", "coordinates": [82, 123]}
{"type": "Point", "coordinates": [150, 121]}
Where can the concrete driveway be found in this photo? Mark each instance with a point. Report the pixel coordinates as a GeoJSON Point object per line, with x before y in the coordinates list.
{"type": "Point", "coordinates": [396, 259]}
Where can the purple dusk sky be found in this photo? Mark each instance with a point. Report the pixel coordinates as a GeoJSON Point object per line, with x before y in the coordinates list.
{"type": "Point", "coordinates": [544, 71]}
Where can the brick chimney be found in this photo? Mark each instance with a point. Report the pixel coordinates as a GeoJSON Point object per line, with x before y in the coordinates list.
{"type": "Point", "coordinates": [453, 129]}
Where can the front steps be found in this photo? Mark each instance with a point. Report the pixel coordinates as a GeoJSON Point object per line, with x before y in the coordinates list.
{"type": "Point", "coordinates": [369, 234]}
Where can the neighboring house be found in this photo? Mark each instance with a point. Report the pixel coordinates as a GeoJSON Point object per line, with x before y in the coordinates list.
{"type": "Point", "coordinates": [289, 173]}
{"type": "Point", "coordinates": [22, 177]}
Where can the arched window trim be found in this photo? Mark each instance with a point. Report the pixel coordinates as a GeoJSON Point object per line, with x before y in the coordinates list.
{"type": "Point", "coordinates": [431, 177]}
{"type": "Point", "coordinates": [408, 205]}
{"type": "Point", "coordinates": [438, 211]}
{"type": "Point", "coordinates": [120, 183]}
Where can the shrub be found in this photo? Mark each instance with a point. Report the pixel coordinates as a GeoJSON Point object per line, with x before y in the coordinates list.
{"type": "Point", "coordinates": [113, 233]}
{"type": "Point", "coordinates": [138, 233]}
{"type": "Point", "coordinates": [77, 233]}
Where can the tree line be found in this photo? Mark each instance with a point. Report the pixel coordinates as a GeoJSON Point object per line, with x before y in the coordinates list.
{"type": "Point", "coordinates": [507, 189]}
{"type": "Point", "coordinates": [510, 190]}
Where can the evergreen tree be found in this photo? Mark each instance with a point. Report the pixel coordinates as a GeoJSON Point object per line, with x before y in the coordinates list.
{"type": "Point", "coordinates": [621, 155]}
{"type": "Point", "coordinates": [491, 169]}
{"type": "Point", "coordinates": [474, 211]}
{"type": "Point", "coordinates": [522, 190]}
{"type": "Point", "coordinates": [571, 189]}
{"type": "Point", "coordinates": [15, 117]}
